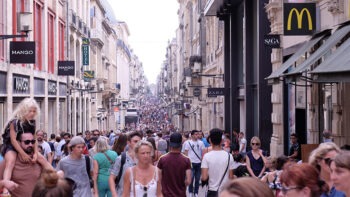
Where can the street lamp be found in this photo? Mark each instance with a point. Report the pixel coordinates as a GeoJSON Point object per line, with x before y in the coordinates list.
{"type": "Point", "coordinates": [24, 25]}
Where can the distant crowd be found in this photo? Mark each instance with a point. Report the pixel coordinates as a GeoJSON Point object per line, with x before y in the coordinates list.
{"type": "Point", "coordinates": [155, 159]}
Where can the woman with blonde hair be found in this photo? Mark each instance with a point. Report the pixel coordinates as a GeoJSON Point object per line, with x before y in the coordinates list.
{"type": "Point", "coordinates": [144, 179]}
{"type": "Point", "coordinates": [103, 160]}
{"type": "Point", "coordinates": [340, 174]}
{"type": "Point", "coordinates": [320, 158]}
{"type": "Point", "coordinates": [246, 187]}
{"type": "Point", "coordinates": [22, 121]}
{"type": "Point", "coordinates": [255, 159]}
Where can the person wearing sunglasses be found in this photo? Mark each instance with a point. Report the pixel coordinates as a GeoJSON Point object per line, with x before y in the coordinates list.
{"type": "Point", "coordinates": [321, 158]}
{"type": "Point", "coordinates": [340, 171]}
{"type": "Point", "coordinates": [144, 179]}
{"type": "Point", "coordinates": [255, 159]}
{"type": "Point", "coordinates": [301, 180]}
{"type": "Point", "coordinates": [26, 174]}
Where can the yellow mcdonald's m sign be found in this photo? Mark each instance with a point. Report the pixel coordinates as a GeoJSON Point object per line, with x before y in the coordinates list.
{"type": "Point", "coordinates": [304, 21]}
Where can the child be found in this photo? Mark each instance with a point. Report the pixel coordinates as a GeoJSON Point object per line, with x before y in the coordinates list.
{"type": "Point", "coordinates": [24, 114]}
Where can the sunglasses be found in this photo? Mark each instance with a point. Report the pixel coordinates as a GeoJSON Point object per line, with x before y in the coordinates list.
{"type": "Point", "coordinates": [145, 190]}
{"type": "Point", "coordinates": [257, 144]}
{"type": "Point", "coordinates": [26, 142]}
{"type": "Point", "coordinates": [328, 161]}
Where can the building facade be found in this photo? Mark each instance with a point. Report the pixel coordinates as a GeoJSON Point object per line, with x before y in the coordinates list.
{"type": "Point", "coordinates": [84, 32]}
{"type": "Point", "coordinates": [38, 80]}
{"type": "Point", "coordinates": [303, 101]}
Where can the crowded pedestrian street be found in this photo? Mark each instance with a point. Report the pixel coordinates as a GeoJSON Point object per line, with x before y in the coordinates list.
{"type": "Point", "coordinates": [174, 98]}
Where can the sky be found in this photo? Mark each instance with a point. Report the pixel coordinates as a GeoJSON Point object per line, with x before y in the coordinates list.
{"type": "Point", "coordinates": [152, 23]}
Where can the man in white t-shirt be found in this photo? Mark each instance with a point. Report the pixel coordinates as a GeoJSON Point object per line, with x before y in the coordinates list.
{"type": "Point", "coordinates": [217, 165]}
{"type": "Point", "coordinates": [46, 146]}
{"type": "Point", "coordinates": [194, 149]}
{"type": "Point", "coordinates": [242, 143]}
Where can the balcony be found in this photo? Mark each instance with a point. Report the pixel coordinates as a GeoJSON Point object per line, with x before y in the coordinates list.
{"type": "Point", "coordinates": [97, 36]}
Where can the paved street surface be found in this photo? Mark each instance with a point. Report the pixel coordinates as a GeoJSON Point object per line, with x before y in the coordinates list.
{"type": "Point", "coordinates": [200, 192]}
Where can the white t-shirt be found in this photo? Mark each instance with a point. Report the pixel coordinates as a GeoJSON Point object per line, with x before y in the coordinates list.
{"type": "Point", "coordinates": [216, 162]}
{"type": "Point", "coordinates": [197, 146]}
{"type": "Point", "coordinates": [46, 148]}
{"type": "Point", "coordinates": [242, 142]}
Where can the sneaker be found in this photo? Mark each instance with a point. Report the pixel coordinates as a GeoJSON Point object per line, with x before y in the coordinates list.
{"type": "Point", "coordinates": [195, 195]}
{"type": "Point", "coordinates": [191, 195]}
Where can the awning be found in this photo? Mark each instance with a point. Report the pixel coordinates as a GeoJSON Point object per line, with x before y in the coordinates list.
{"type": "Point", "coordinates": [275, 75]}
{"type": "Point", "coordinates": [320, 52]}
{"type": "Point", "coordinates": [212, 7]}
{"type": "Point", "coordinates": [336, 68]}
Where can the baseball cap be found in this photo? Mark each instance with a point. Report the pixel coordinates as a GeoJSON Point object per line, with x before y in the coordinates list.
{"type": "Point", "coordinates": [175, 140]}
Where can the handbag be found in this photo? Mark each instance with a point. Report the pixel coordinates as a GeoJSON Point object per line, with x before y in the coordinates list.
{"type": "Point", "coordinates": [215, 193]}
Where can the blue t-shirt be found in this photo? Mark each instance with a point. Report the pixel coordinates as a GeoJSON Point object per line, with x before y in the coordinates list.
{"type": "Point", "coordinates": [333, 193]}
{"type": "Point", "coordinates": [206, 143]}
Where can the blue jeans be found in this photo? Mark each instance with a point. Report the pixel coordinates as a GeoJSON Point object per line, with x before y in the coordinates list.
{"type": "Point", "coordinates": [196, 175]}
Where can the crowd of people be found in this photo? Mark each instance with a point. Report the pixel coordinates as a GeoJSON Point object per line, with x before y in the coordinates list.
{"type": "Point", "coordinates": [155, 159]}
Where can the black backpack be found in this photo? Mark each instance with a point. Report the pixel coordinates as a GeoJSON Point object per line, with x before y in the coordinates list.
{"type": "Point", "coordinates": [117, 179]}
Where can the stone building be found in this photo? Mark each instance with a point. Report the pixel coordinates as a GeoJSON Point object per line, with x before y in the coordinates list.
{"type": "Point", "coordinates": [309, 93]}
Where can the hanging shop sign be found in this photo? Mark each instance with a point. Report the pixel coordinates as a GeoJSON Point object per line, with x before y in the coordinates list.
{"type": "Point", "coordinates": [299, 18]}
{"type": "Point", "coordinates": [214, 92]}
{"type": "Point", "coordinates": [196, 92]}
{"type": "Point", "coordinates": [66, 68]}
{"type": "Point", "coordinates": [22, 52]}
{"type": "Point", "coordinates": [89, 75]}
{"type": "Point", "coordinates": [272, 41]}
{"type": "Point", "coordinates": [85, 49]}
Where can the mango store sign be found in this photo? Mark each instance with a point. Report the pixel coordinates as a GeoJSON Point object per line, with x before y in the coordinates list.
{"type": "Point", "coordinates": [22, 52]}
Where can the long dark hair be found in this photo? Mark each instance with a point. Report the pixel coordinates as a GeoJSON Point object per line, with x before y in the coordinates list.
{"type": "Point", "coordinates": [120, 143]}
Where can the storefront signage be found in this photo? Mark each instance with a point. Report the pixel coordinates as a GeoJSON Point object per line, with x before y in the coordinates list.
{"type": "Point", "coordinates": [89, 75]}
{"type": "Point", "coordinates": [85, 49]}
{"type": "Point", "coordinates": [66, 68]}
{"type": "Point", "coordinates": [22, 52]}
{"type": "Point", "coordinates": [52, 88]}
{"type": "Point", "coordinates": [299, 18]}
{"type": "Point", "coordinates": [196, 92]}
{"type": "Point", "coordinates": [272, 41]}
{"type": "Point", "coordinates": [20, 84]}
{"type": "Point", "coordinates": [214, 92]}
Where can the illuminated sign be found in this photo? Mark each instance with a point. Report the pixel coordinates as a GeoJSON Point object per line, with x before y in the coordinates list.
{"type": "Point", "coordinates": [299, 18]}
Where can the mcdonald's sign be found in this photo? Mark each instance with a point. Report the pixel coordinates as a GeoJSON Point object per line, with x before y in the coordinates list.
{"type": "Point", "coordinates": [299, 18]}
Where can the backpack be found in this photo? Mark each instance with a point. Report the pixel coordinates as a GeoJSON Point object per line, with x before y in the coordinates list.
{"type": "Point", "coordinates": [87, 160]}
{"type": "Point", "coordinates": [117, 179]}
